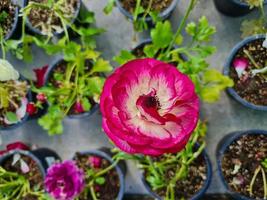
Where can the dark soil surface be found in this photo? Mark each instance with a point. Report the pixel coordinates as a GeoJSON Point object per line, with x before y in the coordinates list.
{"type": "Point", "coordinates": [43, 19]}
{"type": "Point", "coordinates": [252, 89]}
{"type": "Point", "coordinates": [157, 5]}
{"type": "Point", "coordinates": [60, 69]}
{"type": "Point", "coordinates": [12, 107]}
{"type": "Point", "coordinates": [6, 23]}
{"type": "Point", "coordinates": [34, 176]}
{"type": "Point", "coordinates": [110, 189]}
{"type": "Point", "coordinates": [187, 188]}
{"type": "Point", "coordinates": [240, 161]}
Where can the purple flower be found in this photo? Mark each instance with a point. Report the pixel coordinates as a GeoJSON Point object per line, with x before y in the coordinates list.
{"type": "Point", "coordinates": [240, 65]}
{"type": "Point", "coordinates": [64, 181]}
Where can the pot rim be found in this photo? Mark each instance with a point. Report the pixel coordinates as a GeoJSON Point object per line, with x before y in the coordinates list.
{"type": "Point", "coordinates": [14, 24]}
{"type": "Point", "coordinates": [226, 72]}
{"type": "Point", "coordinates": [25, 153]}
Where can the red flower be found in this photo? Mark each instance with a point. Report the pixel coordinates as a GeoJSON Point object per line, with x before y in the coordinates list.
{"type": "Point", "coordinates": [78, 107]}
{"type": "Point", "coordinates": [16, 145]}
{"type": "Point", "coordinates": [40, 75]}
{"type": "Point", "coordinates": [95, 161]}
{"type": "Point", "coordinates": [31, 109]}
{"type": "Point", "coordinates": [41, 97]}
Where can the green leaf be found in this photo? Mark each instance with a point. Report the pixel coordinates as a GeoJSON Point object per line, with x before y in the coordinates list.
{"type": "Point", "coordinates": [12, 117]}
{"type": "Point", "coordinates": [86, 104]}
{"type": "Point", "coordinates": [214, 83]}
{"type": "Point", "coordinates": [90, 31]}
{"type": "Point", "coordinates": [100, 180]}
{"type": "Point", "coordinates": [86, 16]}
{"type": "Point", "coordinates": [3, 16]}
{"type": "Point", "coordinates": [162, 34]}
{"type": "Point", "coordinates": [179, 40]}
{"type": "Point", "coordinates": [124, 57]}
{"type": "Point", "coordinates": [101, 65]}
{"type": "Point", "coordinates": [202, 31]}
{"type": "Point", "coordinates": [52, 121]}
{"type": "Point", "coordinates": [150, 50]}
{"type": "Point", "coordinates": [109, 7]}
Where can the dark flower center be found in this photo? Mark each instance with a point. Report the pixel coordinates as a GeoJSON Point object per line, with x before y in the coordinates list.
{"type": "Point", "coordinates": [152, 102]}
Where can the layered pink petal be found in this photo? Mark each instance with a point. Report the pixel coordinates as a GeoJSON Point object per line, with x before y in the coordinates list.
{"type": "Point", "coordinates": [149, 107]}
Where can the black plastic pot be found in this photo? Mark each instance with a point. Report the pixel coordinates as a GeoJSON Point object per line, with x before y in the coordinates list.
{"type": "Point", "coordinates": [43, 157]}
{"type": "Point", "coordinates": [200, 193]}
{"type": "Point", "coordinates": [226, 72]}
{"type": "Point", "coordinates": [120, 167]}
{"type": "Point", "coordinates": [223, 146]}
{"type": "Point", "coordinates": [15, 31]}
{"type": "Point", "coordinates": [77, 116]}
{"type": "Point", "coordinates": [163, 15]}
{"type": "Point", "coordinates": [24, 119]}
{"type": "Point", "coordinates": [233, 8]}
{"type": "Point", "coordinates": [38, 32]}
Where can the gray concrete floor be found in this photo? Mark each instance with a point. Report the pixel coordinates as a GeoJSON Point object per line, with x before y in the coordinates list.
{"type": "Point", "coordinates": [225, 116]}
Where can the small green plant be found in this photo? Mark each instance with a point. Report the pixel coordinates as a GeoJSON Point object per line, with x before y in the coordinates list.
{"type": "Point", "coordinates": [208, 82]}
{"type": "Point", "coordinates": [255, 26]}
{"type": "Point", "coordinates": [14, 186]}
{"type": "Point", "coordinates": [140, 14]}
{"type": "Point", "coordinates": [75, 88]}
{"type": "Point", "coordinates": [22, 48]}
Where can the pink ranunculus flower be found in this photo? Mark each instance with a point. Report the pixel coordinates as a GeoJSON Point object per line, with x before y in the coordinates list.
{"type": "Point", "coordinates": [149, 107]}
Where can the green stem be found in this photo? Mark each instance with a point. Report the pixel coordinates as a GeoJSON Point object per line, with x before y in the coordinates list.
{"type": "Point", "coordinates": [138, 4]}
{"type": "Point", "coordinates": [148, 9]}
{"type": "Point", "coordinates": [2, 44]}
{"type": "Point", "coordinates": [264, 183]}
{"type": "Point", "coordinates": [93, 194]}
{"type": "Point", "coordinates": [155, 172]}
{"type": "Point", "coordinates": [104, 171]}
{"type": "Point", "coordinates": [196, 154]}
{"type": "Point", "coordinates": [251, 59]}
{"type": "Point", "coordinates": [182, 25]}
{"type": "Point", "coordinates": [253, 180]}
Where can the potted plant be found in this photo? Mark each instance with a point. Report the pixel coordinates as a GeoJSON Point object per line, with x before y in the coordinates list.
{"type": "Point", "coordinates": [242, 164]}
{"type": "Point", "coordinates": [15, 96]}
{"type": "Point", "coordinates": [143, 13]}
{"type": "Point", "coordinates": [8, 19]}
{"type": "Point", "coordinates": [93, 174]}
{"type": "Point", "coordinates": [22, 172]}
{"type": "Point", "coordinates": [236, 8]}
{"type": "Point", "coordinates": [47, 20]}
{"type": "Point", "coordinates": [72, 86]}
{"type": "Point", "coordinates": [246, 66]}
{"type": "Point", "coordinates": [51, 18]}
{"type": "Point", "coordinates": [147, 114]}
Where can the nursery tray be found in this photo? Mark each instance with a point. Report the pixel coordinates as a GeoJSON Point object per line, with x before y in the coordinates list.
{"type": "Point", "coordinates": [86, 133]}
